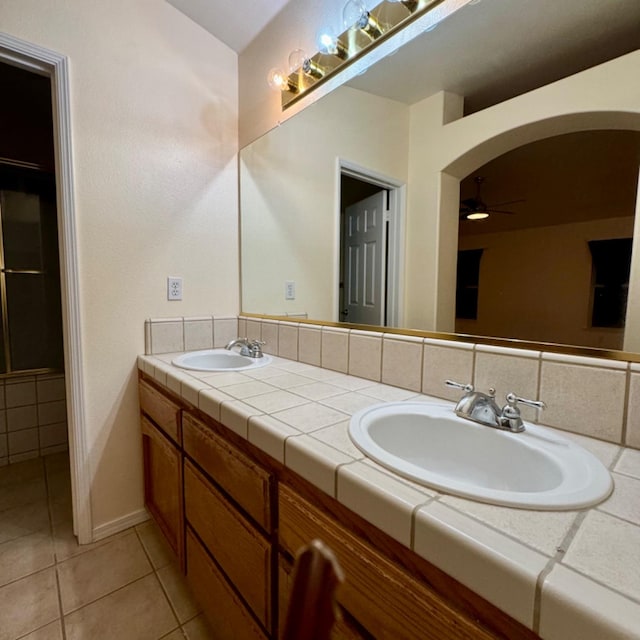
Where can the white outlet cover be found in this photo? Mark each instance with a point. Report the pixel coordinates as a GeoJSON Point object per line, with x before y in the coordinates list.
{"type": "Point", "coordinates": [174, 288]}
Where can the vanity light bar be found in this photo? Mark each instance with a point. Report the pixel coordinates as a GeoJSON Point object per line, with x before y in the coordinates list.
{"type": "Point", "coordinates": [338, 52]}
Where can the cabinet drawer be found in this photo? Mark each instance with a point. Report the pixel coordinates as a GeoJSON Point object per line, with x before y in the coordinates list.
{"type": "Point", "coordinates": [224, 610]}
{"type": "Point", "coordinates": [246, 482]}
{"type": "Point", "coordinates": [380, 595]}
{"type": "Point", "coordinates": [163, 484]}
{"type": "Point", "coordinates": [163, 411]}
{"type": "Point", "coordinates": [238, 547]}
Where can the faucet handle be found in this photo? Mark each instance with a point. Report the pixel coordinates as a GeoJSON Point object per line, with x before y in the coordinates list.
{"type": "Point", "coordinates": [458, 385]}
{"type": "Point", "coordinates": [513, 399]}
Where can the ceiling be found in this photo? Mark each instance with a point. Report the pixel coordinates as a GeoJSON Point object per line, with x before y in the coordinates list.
{"type": "Point", "coordinates": [570, 178]}
{"type": "Point", "coordinates": [235, 23]}
{"type": "Point", "coordinates": [493, 50]}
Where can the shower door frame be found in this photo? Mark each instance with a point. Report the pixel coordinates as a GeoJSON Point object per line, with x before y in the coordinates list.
{"type": "Point", "coordinates": [55, 66]}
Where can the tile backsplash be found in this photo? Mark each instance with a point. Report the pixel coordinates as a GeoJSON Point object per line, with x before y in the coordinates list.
{"type": "Point", "coordinates": [33, 417]}
{"type": "Point", "coordinates": [590, 396]}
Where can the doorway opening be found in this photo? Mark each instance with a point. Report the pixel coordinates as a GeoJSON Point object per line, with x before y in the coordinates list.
{"type": "Point", "coordinates": [371, 247]}
{"type": "Point", "coordinates": [31, 344]}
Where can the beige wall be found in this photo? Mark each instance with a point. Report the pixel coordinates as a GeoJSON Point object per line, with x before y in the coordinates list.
{"type": "Point", "coordinates": [603, 97]}
{"type": "Point", "coordinates": [290, 196]}
{"type": "Point", "coordinates": [154, 127]}
{"type": "Point", "coordinates": [535, 284]}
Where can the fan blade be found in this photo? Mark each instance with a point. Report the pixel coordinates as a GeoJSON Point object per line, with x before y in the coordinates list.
{"type": "Point", "coordinates": [512, 213]}
{"type": "Point", "coordinates": [471, 203]}
{"type": "Point", "coordinates": [502, 204]}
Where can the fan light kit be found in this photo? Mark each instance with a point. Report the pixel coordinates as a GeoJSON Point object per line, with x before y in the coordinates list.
{"type": "Point", "coordinates": [362, 30]}
{"type": "Point", "coordinates": [476, 209]}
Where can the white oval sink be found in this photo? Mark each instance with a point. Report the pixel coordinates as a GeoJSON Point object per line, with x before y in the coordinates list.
{"type": "Point", "coordinates": [219, 360]}
{"type": "Point", "coordinates": [428, 443]}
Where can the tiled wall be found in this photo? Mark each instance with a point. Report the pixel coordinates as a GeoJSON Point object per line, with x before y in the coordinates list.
{"type": "Point", "coordinates": [33, 417]}
{"type": "Point", "coordinates": [591, 396]}
{"type": "Point", "coordinates": [167, 335]}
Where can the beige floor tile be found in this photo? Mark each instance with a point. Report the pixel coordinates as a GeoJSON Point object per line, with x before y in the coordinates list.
{"type": "Point", "coordinates": [24, 556]}
{"type": "Point", "coordinates": [28, 604]}
{"type": "Point", "coordinates": [51, 631]}
{"type": "Point", "coordinates": [198, 629]}
{"type": "Point", "coordinates": [57, 462]}
{"type": "Point", "coordinates": [178, 592]}
{"type": "Point", "coordinates": [174, 635]}
{"type": "Point", "coordinates": [21, 472]}
{"type": "Point", "coordinates": [23, 520]}
{"type": "Point", "coordinates": [65, 544]}
{"type": "Point", "coordinates": [155, 545]}
{"type": "Point", "coordinates": [138, 611]}
{"type": "Point", "coordinates": [96, 573]}
{"type": "Point", "coordinates": [18, 494]}
{"type": "Point", "coordinates": [61, 511]}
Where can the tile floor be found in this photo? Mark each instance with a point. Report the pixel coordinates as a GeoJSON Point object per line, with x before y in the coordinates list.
{"type": "Point", "coordinates": [125, 587]}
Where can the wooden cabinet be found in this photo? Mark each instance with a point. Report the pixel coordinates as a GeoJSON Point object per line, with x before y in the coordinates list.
{"type": "Point", "coordinates": [163, 484]}
{"type": "Point", "coordinates": [240, 550]}
{"type": "Point", "coordinates": [241, 478]}
{"type": "Point", "coordinates": [221, 605]}
{"type": "Point", "coordinates": [384, 598]}
{"type": "Point", "coordinates": [236, 519]}
{"type": "Point", "coordinates": [163, 411]}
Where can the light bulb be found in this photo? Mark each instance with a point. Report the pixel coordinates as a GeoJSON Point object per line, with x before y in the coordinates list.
{"type": "Point", "coordinates": [297, 59]}
{"type": "Point", "coordinates": [355, 14]}
{"type": "Point", "coordinates": [277, 79]}
{"type": "Point", "coordinates": [328, 43]}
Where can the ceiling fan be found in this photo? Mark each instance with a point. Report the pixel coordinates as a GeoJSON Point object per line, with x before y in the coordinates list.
{"type": "Point", "coordinates": [476, 209]}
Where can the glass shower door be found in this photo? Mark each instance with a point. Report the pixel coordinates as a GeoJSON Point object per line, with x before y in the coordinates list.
{"type": "Point", "coordinates": [29, 280]}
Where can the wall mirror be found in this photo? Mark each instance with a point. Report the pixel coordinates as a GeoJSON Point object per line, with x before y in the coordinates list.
{"type": "Point", "coordinates": [355, 209]}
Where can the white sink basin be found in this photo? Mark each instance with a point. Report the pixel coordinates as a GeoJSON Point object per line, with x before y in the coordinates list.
{"type": "Point", "coordinates": [219, 360]}
{"type": "Point", "coordinates": [428, 443]}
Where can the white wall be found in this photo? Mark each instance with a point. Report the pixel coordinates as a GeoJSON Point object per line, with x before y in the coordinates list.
{"type": "Point", "coordinates": [154, 126]}
{"type": "Point", "coordinates": [535, 284]}
{"type": "Point", "coordinates": [290, 195]}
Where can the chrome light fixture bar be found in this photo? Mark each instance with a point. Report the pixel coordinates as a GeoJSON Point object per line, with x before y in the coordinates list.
{"type": "Point", "coordinates": [369, 28]}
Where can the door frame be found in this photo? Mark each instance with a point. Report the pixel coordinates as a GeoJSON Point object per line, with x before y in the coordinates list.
{"type": "Point", "coordinates": [55, 66]}
{"type": "Point", "coordinates": [396, 235]}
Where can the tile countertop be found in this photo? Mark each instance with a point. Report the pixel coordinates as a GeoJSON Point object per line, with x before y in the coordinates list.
{"type": "Point", "coordinates": [564, 574]}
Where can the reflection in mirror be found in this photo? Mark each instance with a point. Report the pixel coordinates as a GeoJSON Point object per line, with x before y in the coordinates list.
{"type": "Point", "coordinates": [552, 263]}
{"type": "Point", "coordinates": [555, 154]}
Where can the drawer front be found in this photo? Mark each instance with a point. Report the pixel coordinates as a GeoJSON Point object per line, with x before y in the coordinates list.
{"type": "Point", "coordinates": [238, 547]}
{"type": "Point", "coordinates": [380, 595]}
{"type": "Point", "coordinates": [222, 607]}
{"type": "Point", "coordinates": [163, 411]}
{"type": "Point", "coordinates": [163, 484]}
{"type": "Point", "coordinates": [246, 482]}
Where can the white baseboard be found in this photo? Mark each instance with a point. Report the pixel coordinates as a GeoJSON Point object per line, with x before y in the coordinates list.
{"type": "Point", "coordinates": [120, 524]}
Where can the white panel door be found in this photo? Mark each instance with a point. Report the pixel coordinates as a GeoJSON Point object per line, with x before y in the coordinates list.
{"type": "Point", "coordinates": [364, 261]}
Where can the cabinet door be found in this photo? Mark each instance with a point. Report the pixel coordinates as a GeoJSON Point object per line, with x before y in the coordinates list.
{"type": "Point", "coordinates": [384, 598]}
{"type": "Point", "coordinates": [163, 484]}
{"type": "Point", "coordinates": [229, 619]}
{"type": "Point", "coordinates": [246, 482]}
{"type": "Point", "coordinates": [237, 546]}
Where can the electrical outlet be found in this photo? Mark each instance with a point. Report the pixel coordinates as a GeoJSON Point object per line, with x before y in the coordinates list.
{"type": "Point", "coordinates": [289, 290]}
{"type": "Point", "coordinates": [174, 288]}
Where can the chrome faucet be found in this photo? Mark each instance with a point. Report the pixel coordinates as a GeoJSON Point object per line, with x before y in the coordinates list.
{"type": "Point", "coordinates": [482, 408]}
{"type": "Point", "coordinates": [250, 348]}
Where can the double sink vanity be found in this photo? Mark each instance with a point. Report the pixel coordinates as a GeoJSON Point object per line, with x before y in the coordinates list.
{"type": "Point", "coordinates": [445, 527]}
